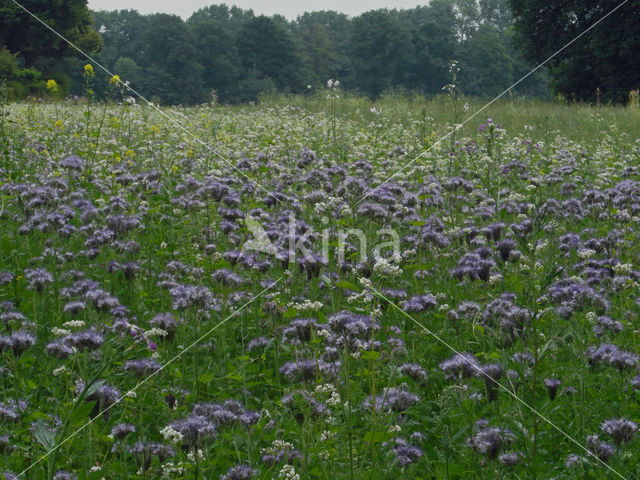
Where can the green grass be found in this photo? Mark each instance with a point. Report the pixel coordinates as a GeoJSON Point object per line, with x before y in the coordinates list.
{"type": "Point", "coordinates": [154, 210]}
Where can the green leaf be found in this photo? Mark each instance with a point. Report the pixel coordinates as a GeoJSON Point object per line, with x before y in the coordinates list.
{"type": "Point", "coordinates": [81, 412]}
{"type": "Point", "coordinates": [347, 285]}
{"type": "Point", "coordinates": [44, 436]}
{"type": "Point", "coordinates": [290, 313]}
{"type": "Point", "coordinates": [370, 355]}
{"type": "Point", "coordinates": [206, 377]}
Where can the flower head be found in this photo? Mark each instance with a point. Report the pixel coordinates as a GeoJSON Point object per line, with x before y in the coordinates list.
{"type": "Point", "coordinates": [52, 86]}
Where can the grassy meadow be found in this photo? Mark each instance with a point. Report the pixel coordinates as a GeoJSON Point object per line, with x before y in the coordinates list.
{"type": "Point", "coordinates": [319, 288]}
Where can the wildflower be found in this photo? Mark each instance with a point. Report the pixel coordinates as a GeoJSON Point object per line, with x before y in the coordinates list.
{"type": "Point", "coordinates": [288, 472]}
{"type": "Point", "coordinates": [600, 449]}
{"type": "Point", "coordinates": [171, 435]}
{"type": "Point", "coordinates": [142, 366]}
{"type": "Point", "coordinates": [52, 86]}
{"type": "Point", "coordinates": [121, 430]}
{"type": "Point", "coordinates": [64, 475]}
{"type": "Point", "coordinates": [552, 385]}
{"type": "Point", "coordinates": [115, 80]}
{"type": "Point", "coordinates": [620, 429]}
{"type": "Point", "coordinates": [88, 70]}
{"type": "Point", "coordinates": [489, 440]}
{"type": "Point", "coordinates": [240, 472]}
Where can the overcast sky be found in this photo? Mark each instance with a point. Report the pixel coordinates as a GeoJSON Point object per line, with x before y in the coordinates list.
{"type": "Point", "coordinates": [289, 8]}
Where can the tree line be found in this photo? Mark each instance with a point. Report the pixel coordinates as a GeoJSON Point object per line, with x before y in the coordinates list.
{"type": "Point", "coordinates": [233, 55]}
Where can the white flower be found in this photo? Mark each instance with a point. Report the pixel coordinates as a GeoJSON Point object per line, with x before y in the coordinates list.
{"type": "Point", "coordinates": [326, 435]}
{"type": "Point", "coordinates": [156, 332]}
{"type": "Point", "coordinates": [324, 333]}
{"type": "Point", "coordinates": [60, 332]}
{"type": "Point", "coordinates": [171, 435]}
{"type": "Point", "coordinates": [191, 457]}
{"type": "Point", "coordinates": [73, 324]}
{"type": "Point", "coordinates": [131, 394]}
{"type": "Point", "coordinates": [587, 253]}
{"type": "Point", "coordinates": [384, 268]}
{"type": "Point", "coordinates": [288, 472]}
{"type": "Point", "coordinates": [59, 371]}
{"type": "Point", "coordinates": [623, 268]}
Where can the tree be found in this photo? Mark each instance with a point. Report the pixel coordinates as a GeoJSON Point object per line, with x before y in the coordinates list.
{"type": "Point", "coordinates": [217, 53]}
{"type": "Point", "coordinates": [606, 58]}
{"type": "Point", "coordinates": [486, 68]}
{"type": "Point", "coordinates": [435, 45]}
{"type": "Point", "coordinates": [267, 51]}
{"type": "Point", "coordinates": [23, 34]}
{"type": "Point", "coordinates": [323, 41]}
{"type": "Point", "coordinates": [168, 58]}
{"type": "Point", "coordinates": [381, 50]}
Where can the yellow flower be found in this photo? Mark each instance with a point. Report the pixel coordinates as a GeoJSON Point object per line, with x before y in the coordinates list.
{"type": "Point", "coordinates": [88, 70]}
{"type": "Point", "coordinates": [52, 86]}
{"type": "Point", "coordinates": [115, 80]}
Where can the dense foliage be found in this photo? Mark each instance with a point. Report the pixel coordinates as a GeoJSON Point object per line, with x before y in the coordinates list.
{"type": "Point", "coordinates": [234, 56]}
{"type": "Point", "coordinates": [602, 64]}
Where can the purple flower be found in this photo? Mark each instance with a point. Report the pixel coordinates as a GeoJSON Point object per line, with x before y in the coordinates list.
{"type": "Point", "coordinates": [72, 162]}
{"type": "Point", "coordinates": [394, 399]}
{"type": "Point", "coordinates": [38, 278]}
{"type": "Point", "coordinates": [145, 451]}
{"type": "Point", "coordinates": [142, 366]}
{"type": "Point", "coordinates": [240, 472]}
{"type": "Point", "coordinates": [489, 440]}
{"type": "Point", "coordinates": [552, 385]}
{"type": "Point", "coordinates": [414, 371]}
{"type": "Point", "coordinates": [194, 429]}
{"type": "Point", "coordinates": [600, 449]}
{"type": "Point", "coordinates": [6, 277]}
{"type": "Point", "coordinates": [419, 303]}
{"type": "Point", "coordinates": [74, 307]}
{"type": "Point", "coordinates": [510, 458]}
{"type": "Point", "coordinates": [21, 341]}
{"type": "Point", "coordinates": [461, 365]}
{"type": "Point", "coordinates": [620, 429]}
{"type": "Point", "coordinates": [64, 475]}
{"type": "Point", "coordinates": [122, 430]}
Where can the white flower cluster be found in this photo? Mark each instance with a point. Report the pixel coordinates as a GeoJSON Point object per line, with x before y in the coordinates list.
{"type": "Point", "coordinates": [60, 332]}
{"type": "Point", "coordinates": [171, 435]}
{"type": "Point", "coordinates": [326, 435]}
{"type": "Point", "coordinates": [73, 324]}
{"type": "Point", "coordinates": [192, 458]}
{"type": "Point", "coordinates": [623, 268]}
{"type": "Point", "coordinates": [587, 253]}
{"type": "Point", "coordinates": [306, 306]}
{"type": "Point", "coordinates": [169, 468]}
{"type": "Point", "coordinates": [386, 269]}
{"type": "Point", "coordinates": [288, 472]}
{"type": "Point", "coordinates": [156, 332]}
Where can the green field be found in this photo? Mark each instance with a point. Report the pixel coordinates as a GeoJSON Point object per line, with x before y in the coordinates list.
{"type": "Point", "coordinates": [304, 288]}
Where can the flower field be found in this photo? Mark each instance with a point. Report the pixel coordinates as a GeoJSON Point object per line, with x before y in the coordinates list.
{"type": "Point", "coordinates": [269, 292]}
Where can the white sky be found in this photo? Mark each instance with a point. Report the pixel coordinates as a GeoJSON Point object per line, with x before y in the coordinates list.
{"type": "Point", "coordinates": [289, 8]}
